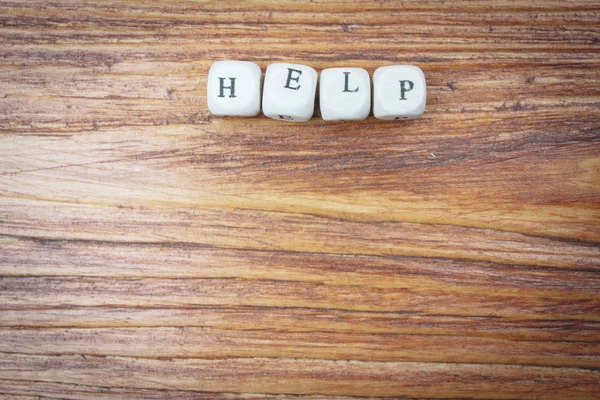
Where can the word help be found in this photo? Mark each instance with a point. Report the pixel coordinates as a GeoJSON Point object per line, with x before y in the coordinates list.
{"type": "Point", "coordinates": [288, 93]}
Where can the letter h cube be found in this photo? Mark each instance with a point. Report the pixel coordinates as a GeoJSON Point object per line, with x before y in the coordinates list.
{"type": "Point", "coordinates": [234, 88]}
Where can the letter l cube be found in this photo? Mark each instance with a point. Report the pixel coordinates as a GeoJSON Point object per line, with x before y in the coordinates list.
{"type": "Point", "coordinates": [345, 94]}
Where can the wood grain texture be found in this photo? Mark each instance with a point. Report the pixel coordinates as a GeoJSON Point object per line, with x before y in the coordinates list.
{"type": "Point", "coordinates": [149, 250]}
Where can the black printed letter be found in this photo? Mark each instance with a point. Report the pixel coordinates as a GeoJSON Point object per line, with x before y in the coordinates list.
{"type": "Point", "coordinates": [404, 89]}
{"type": "Point", "coordinates": [222, 87]}
{"type": "Point", "coordinates": [346, 83]}
{"type": "Point", "coordinates": [290, 78]}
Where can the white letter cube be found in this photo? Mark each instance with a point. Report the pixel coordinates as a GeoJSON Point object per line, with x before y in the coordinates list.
{"type": "Point", "coordinates": [289, 92]}
{"type": "Point", "coordinates": [234, 88]}
{"type": "Point", "coordinates": [345, 94]}
{"type": "Point", "coordinates": [399, 92]}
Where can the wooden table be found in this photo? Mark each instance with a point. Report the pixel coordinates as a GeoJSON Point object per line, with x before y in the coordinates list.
{"type": "Point", "coordinates": [150, 250]}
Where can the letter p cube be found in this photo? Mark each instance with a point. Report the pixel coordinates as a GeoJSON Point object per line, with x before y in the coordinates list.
{"type": "Point", "coordinates": [399, 92]}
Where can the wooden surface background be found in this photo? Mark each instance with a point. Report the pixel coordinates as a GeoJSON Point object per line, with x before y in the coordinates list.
{"type": "Point", "coordinates": [149, 250]}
